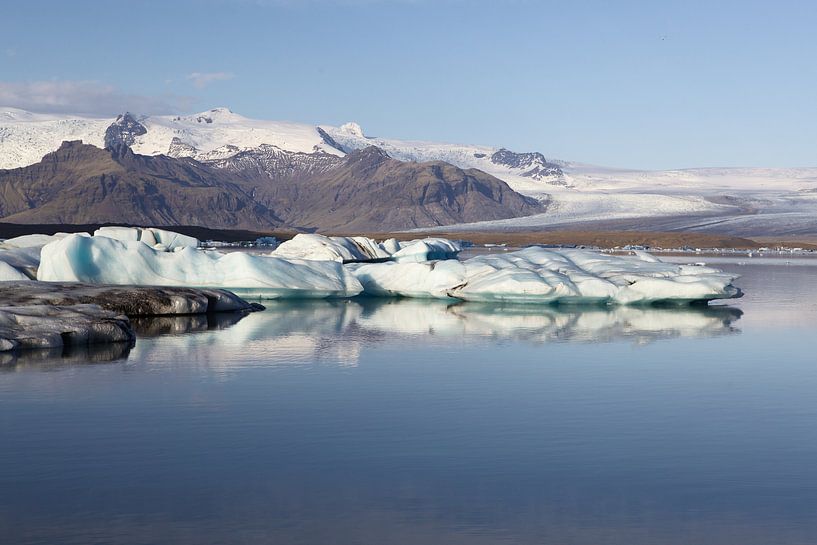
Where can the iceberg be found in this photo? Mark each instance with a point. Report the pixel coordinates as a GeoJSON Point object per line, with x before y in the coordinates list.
{"type": "Point", "coordinates": [322, 248]}
{"type": "Point", "coordinates": [158, 239]}
{"type": "Point", "coordinates": [427, 249]}
{"type": "Point", "coordinates": [19, 263]}
{"type": "Point", "coordinates": [30, 241]}
{"type": "Point", "coordinates": [104, 260]}
{"type": "Point", "coordinates": [558, 276]}
{"type": "Point", "coordinates": [316, 266]}
{"type": "Point", "coordinates": [361, 249]}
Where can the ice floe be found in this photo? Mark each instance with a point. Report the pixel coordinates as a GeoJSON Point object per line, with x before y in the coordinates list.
{"type": "Point", "coordinates": [103, 260]}
{"type": "Point", "coordinates": [539, 275]}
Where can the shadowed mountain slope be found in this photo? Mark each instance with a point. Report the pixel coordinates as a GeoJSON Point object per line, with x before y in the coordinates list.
{"type": "Point", "coordinates": [80, 183]}
{"type": "Point", "coordinates": [366, 190]}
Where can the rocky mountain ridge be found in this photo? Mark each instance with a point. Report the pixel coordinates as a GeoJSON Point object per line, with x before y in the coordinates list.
{"type": "Point", "coordinates": [261, 188]}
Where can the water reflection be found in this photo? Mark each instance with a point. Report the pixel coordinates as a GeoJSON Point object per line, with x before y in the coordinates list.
{"type": "Point", "coordinates": [336, 332]}
{"type": "Point", "coordinates": [178, 325]}
{"type": "Point", "coordinates": [55, 358]}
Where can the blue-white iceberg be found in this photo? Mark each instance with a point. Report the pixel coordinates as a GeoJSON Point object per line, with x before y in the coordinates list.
{"type": "Point", "coordinates": [103, 260]}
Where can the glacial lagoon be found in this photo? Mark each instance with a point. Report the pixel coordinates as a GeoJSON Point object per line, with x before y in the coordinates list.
{"type": "Point", "coordinates": [411, 421]}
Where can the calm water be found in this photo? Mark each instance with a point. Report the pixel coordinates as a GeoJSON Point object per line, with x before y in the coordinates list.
{"type": "Point", "coordinates": [405, 422]}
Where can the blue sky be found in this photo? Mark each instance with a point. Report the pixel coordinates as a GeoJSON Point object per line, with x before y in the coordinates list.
{"type": "Point", "coordinates": [651, 84]}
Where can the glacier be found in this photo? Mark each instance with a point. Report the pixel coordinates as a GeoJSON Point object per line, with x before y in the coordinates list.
{"type": "Point", "coordinates": [739, 201]}
{"type": "Point", "coordinates": [104, 260]}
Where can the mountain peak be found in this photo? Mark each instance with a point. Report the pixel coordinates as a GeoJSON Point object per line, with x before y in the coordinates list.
{"type": "Point", "coordinates": [369, 155]}
{"type": "Point", "coordinates": [353, 129]}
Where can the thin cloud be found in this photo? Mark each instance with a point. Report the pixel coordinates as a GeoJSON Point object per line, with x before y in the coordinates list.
{"type": "Point", "coordinates": [85, 98]}
{"type": "Point", "coordinates": [202, 79]}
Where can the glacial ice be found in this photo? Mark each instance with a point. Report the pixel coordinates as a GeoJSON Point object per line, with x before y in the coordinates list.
{"type": "Point", "coordinates": [19, 263]}
{"type": "Point", "coordinates": [312, 266]}
{"type": "Point", "coordinates": [30, 241]}
{"type": "Point", "coordinates": [103, 260]}
{"type": "Point", "coordinates": [323, 248]}
{"type": "Point", "coordinates": [347, 249]}
{"type": "Point", "coordinates": [538, 275]}
{"type": "Point", "coordinates": [426, 249]}
{"type": "Point", "coordinates": [159, 239]}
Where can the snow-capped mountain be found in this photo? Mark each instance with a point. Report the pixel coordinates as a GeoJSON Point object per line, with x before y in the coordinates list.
{"type": "Point", "coordinates": [217, 134]}
{"type": "Point", "coordinates": [527, 173]}
{"type": "Point", "coordinates": [735, 200]}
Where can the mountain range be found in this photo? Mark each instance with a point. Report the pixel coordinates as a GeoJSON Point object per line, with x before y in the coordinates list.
{"type": "Point", "coordinates": [304, 176]}
{"type": "Point", "coordinates": [264, 189]}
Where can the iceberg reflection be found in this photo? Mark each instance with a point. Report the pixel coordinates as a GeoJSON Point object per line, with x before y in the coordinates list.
{"type": "Point", "coordinates": [336, 332]}
{"type": "Point", "coordinates": [55, 358]}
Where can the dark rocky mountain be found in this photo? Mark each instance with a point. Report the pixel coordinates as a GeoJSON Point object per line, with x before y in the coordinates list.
{"type": "Point", "coordinates": [80, 183]}
{"type": "Point", "coordinates": [265, 161]}
{"type": "Point", "coordinates": [261, 188]}
{"type": "Point", "coordinates": [123, 131]}
{"type": "Point", "coordinates": [533, 164]}
{"type": "Point", "coordinates": [370, 191]}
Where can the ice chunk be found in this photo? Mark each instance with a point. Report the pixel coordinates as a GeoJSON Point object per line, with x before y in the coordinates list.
{"type": "Point", "coordinates": [103, 260]}
{"type": "Point", "coordinates": [323, 248]}
{"type": "Point", "coordinates": [427, 249]}
{"type": "Point", "coordinates": [151, 236]}
{"type": "Point", "coordinates": [9, 273]}
{"type": "Point", "coordinates": [349, 249]}
{"type": "Point", "coordinates": [31, 241]}
{"type": "Point", "coordinates": [19, 263]}
{"type": "Point", "coordinates": [20, 256]}
{"type": "Point", "coordinates": [538, 275]}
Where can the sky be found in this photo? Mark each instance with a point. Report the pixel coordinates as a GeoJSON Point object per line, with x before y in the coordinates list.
{"type": "Point", "coordinates": [642, 84]}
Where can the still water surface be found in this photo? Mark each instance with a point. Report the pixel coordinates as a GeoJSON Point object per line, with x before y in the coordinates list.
{"type": "Point", "coordinates": [411, 422]}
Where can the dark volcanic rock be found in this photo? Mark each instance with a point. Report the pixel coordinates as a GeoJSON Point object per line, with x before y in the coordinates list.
{"type": "Point", "coordinates": [534, 164]}
{"type": "Point", "coordinates": [123, 131]}
{"type": "Point", "coordinates": [273, 163]}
